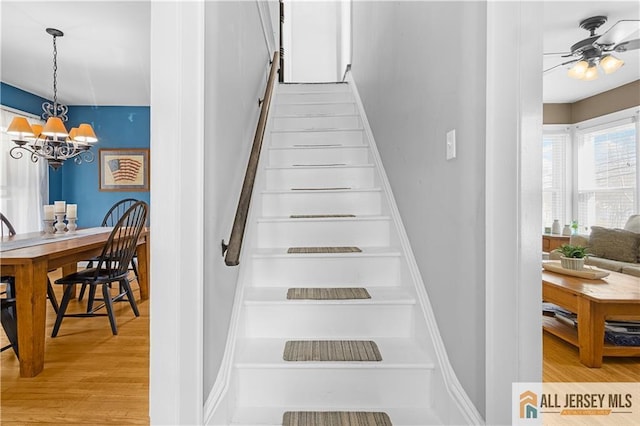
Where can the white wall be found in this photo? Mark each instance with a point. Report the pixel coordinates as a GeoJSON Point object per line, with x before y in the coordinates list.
{"type": "Point", "coordinates": [235, 77]}
{"type": "Point", "coordinates": [177, 104]}
{"type": "Point", "coordinates": [312, 41]}
{"type": "Point", "coordinates": [420, 69]}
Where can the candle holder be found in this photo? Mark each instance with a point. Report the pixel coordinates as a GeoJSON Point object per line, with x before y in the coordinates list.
{"type": "Point", "coordinates": [60, 225]}
{"type": "Point", "coordinates": [71, 224]}
{"type": "Point", "coordinates": [48, 228]}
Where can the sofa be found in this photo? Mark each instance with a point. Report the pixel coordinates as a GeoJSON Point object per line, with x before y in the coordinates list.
{"type": "Point", "coordinates": [616, 250]}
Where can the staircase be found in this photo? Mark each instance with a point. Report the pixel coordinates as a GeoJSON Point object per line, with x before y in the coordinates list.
{"type": "Point", "coordinates": [323, 222]}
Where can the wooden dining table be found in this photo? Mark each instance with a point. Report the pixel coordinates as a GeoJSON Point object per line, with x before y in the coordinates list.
{"type": "Point", "coordinates": [29, 257]}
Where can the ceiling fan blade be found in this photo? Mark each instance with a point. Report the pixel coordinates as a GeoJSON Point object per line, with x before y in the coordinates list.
{"type": "Point", "coordinates": [619, 32]}
{"type": "Point", "coordinates": [560, 65]}
{"type": "Point", "coordinates": [563, 54]}
{"type": "Point", "coordinates": [628, 45]}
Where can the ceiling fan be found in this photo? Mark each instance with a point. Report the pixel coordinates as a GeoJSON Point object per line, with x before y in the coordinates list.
{"type": "Point", "coordinates": [596, 49]}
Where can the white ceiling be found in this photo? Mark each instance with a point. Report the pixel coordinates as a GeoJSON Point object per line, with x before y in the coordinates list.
{"type": "Point", "coordinates": [562, 30]}
{"type": "Point", "coordinates": [103, 58]}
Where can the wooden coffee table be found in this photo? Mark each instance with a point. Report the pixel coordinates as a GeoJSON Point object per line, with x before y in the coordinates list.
{"type": "Point", "coordinates": [616, 296]}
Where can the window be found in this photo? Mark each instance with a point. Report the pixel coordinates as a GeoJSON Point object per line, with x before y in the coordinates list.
{"type": "Point", "coordinates": [24, 185]}
{"type": "Point", "coordinates": [589, 172]}
{"type": "Point", "coordinates": [555, 145]}
{"type": "Point", "coordinates": [607, 189]}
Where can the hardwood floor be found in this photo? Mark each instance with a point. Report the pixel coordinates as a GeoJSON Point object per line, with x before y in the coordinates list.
{"type": "Point", "coordinates": [561, 363]}
{"type": "Point", "coordinates": [90, 376]}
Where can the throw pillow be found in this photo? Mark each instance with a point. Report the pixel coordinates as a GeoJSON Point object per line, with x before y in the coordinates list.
{"type": "Point", "coordinates": [615, 244]}
{"type": "Point", "coordinates": [633, 224]}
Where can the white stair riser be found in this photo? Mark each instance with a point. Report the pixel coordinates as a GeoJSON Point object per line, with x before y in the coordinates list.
{"type": "Point", "coordinates": [301, 270]}
{"type": "Point", "coordinates": [324, 388]}
{"type": "Point", "coordinates": [317, 138]}
{"type": "Point", "coordinates": [318, 156]}
{"type": "Point", "coordinates": [320, 177]}
{"type": "Point", "coordinates": [315, 87]}
{"type": "Point", "coordinates": [315, 233]}
{"type": "Point", "coordinates": [322, 122]}
{"type": "Point", "coordinates": [337, 202]}
{"type": "Point", "coordinates": [296, 98]}
{"type": "Point", "coordinates": [318, 320]}
{"type": "Point", "coordinates": [315, 108]}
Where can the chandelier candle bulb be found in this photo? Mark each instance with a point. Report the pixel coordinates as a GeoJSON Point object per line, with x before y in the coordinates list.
{"type": "Point", "coordinates": [48, 212]}
{"type": "Point", "coordinates": [72, 211]}
{"type": "Point", "coordinates": [60, 207]}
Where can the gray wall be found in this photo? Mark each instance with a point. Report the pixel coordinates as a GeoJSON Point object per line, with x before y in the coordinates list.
{"type": "Point", "coordinates": [235, 77]}
{"type": "Point", "coordinates": [420, 69]}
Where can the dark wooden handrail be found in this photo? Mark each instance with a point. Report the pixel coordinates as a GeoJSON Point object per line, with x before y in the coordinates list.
{"type": "Point", "coordinates": [232, 257]}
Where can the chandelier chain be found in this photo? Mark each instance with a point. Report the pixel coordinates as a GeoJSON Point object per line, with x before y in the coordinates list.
{"type": "Point", "coordinates": [55, 73]}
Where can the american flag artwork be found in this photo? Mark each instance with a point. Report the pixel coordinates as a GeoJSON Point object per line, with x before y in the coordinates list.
{"type": "Point", "coordinates": [124, 169]}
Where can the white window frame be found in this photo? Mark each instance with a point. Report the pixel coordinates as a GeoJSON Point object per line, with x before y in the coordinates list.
{"type": "Point", "coordinates": [602, 122]}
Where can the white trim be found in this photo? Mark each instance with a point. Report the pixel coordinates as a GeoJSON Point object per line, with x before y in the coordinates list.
{"type": "Point", "coordinates": [609, 119]}
{"type": "Point", "coordinates": [453, 386]}
{"type": "Point", "coordinates": [177, 200]}
{"type": "Point", "coordinates": [513, 348]}
{"type": "Point", "coordinates": [20, 112]}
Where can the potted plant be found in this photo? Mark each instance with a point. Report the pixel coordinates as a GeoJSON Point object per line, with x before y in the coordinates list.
{"type": "Point", "coordinates": [572, 257]}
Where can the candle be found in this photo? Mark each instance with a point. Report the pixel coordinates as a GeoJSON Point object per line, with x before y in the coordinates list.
{"type": "Point", "coordinates": [59, 207]}
{"type": "Point", "coordinates": [72, 211]}
{"type": "Point", "coordinates": [48, 212]}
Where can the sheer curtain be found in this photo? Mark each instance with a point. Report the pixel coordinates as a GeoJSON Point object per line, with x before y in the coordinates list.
{"type": "Point", "coordinates": [24, 185]}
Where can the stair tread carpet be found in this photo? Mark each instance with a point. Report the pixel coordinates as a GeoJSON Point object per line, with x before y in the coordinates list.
{"type": "Point", "coordinates": [316, 250]}
{"type": "Point", "coordinates": [328, 293]}
{"type": "Point", "coordinates": [331, 350]}
{"type": "Point", "coordinates": [335, 418]}
{"type": "Point", "coordinates": [378, 295]}
{"type": "Point", "coordinates": [405, 416]}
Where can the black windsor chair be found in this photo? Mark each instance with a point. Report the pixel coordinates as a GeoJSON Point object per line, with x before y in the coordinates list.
{"type": "Point", "coordinates": [110, 219]}
{"type": "Point", "coordinates": [112, 266]}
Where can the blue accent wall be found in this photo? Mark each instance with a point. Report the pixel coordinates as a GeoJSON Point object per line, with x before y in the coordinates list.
{"type": "Point", "coordinates": [16, 98]}
{"type": "Point", "coordinates": [115, 126]}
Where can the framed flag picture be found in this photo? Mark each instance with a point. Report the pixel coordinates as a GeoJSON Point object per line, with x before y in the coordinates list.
{"type": "Point", "coordinates": [124, 169]}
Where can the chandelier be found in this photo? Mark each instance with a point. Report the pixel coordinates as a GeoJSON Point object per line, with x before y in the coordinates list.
{"type": "Point", "coordinates": [52, 142]}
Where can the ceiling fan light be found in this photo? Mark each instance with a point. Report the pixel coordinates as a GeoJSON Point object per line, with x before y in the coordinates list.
{"type": "Point", "coordinates": [578, 70]}
{"type": "Point", "coordinates": [55, 128]}
{"type": "Point", "coordinates": [591, 73]}
{"type": "Point", "coordinates": [611, 64]}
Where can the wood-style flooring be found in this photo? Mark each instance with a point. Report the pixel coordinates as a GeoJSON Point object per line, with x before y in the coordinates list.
{"type": "Point", "coordinates": [90, 376]}
{"type": "Point", "coordinates": [94, 378]}
{"type": "Point", "coordinates": [561, 363]}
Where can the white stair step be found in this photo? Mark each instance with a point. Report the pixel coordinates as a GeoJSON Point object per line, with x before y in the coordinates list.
{"type": "Point", "coordinates": [318, 96]}
{"type": "Point", "coordinates": [373, 267]}
{"type": "Point", "coordinates": [316, 155]}
{"type": "Point", "coordinates": [351, 201]}
{"type": "Point", "coordinates": [372, 231]}
{"type": "Point", "coordinates": [317, 122]}
{"type": "Point", "coordinates": [315, 108]}
{"type": "Point", "coordinates": [313, 87]}
{"type": "Point", "coordinates": [407, 416]}
{"type": "Point", "coordinates": [268, 313]}
{"type": "Point", "coordinates": [350, 177]}
{"type": "Point", "coordinates": [324, 138]}
{"type": "Point", "coordinates": [401, 379]}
